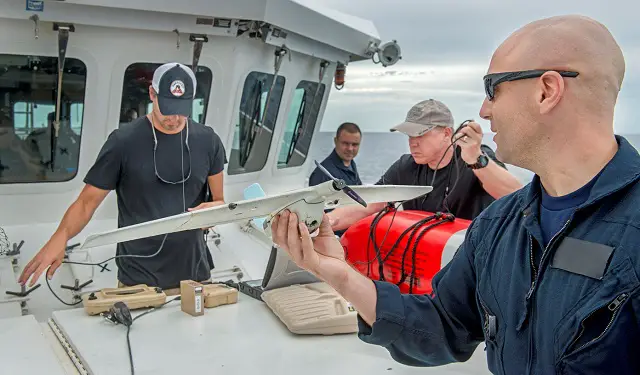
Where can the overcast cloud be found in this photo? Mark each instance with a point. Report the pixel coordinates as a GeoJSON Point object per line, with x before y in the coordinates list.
{"type": "Point", "coordinates": [446, 47]}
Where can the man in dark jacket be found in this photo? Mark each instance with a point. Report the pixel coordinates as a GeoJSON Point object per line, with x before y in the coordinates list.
{"type": "Point", "coordinates": [340, 163]}
{"type": "Point", "coordinates": [547, 276]}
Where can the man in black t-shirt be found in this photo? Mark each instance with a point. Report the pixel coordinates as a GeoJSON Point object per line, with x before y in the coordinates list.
{"type": "Point", "coordinates": [161, 164]}
{"type": "Point", "coordinates": [468, 177]}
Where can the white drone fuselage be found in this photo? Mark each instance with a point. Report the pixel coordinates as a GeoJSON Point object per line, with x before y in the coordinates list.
{"type": "Point", "coordinates": [307, 203]}
{"type": "Point", "coordinates": [310, 208]}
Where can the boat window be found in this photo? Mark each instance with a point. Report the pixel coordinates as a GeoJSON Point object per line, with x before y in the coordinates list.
{"type": "Point", "coordinates": [254, 130]}
{"type": "Point", "coordinates": [28, 86]}
{"type": "Point", "coordinates": [303, 115]}
{"type": "Point", "coordinates": [135, 92]}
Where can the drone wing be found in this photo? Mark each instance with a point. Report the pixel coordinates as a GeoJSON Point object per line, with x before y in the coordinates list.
{"type": "Point", "coordinates": [245, 210]}
{"type": "Point", "coordinates": [227, 213]}
{"type": "Point", "coordinates": [381, 193]}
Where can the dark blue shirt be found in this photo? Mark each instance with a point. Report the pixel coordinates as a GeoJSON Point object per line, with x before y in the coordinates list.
{"type": "Point", "coordinates": [336, 167]}
{"type": "Point", "coordinates": [556, 211]}
{"type": "Point", "coordinates": [558, 317]}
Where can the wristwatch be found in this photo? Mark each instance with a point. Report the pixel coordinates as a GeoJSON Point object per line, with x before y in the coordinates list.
{"type": "Point", "coordinates": [482, 162]}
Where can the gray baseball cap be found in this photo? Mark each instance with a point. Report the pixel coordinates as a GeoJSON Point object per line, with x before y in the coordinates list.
{"type": "Point", "coordinates": [425, 116]}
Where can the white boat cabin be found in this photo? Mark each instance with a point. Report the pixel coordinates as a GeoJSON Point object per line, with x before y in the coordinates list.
{"type": "Point", "coordinates": [72, 71]}
{"type": "Point", "coordinates": [102, 54]}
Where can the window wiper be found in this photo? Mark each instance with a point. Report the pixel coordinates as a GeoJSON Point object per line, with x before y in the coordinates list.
{"type": "Point", "coordinates": [63, 41]}
{"type": "Point", "coordinates": [249, 131]}
{"type": "Point", "coordinates": [297, 131]}
{"type": "Point", "coordinates": [280, 52]}
{"type": "Point", "coordinates": [300, 125]}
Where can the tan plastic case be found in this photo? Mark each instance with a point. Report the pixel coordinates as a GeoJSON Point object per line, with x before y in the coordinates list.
{"type": "Point", "coordinates": [314, 308]}
{"type": "Point", "coordinates": [219, 294]}
{"type": "Point", "coordinates": [135, 297]}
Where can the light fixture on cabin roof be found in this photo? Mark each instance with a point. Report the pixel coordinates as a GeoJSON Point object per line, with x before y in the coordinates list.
{"type": "Point", "coordinates": [388, 54]}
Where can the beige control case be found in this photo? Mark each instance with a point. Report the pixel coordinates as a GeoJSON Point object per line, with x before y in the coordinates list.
{"type": "Point", "coordinates": [314, 308]}
{"type": "Point", "coordinates": [135, 297]}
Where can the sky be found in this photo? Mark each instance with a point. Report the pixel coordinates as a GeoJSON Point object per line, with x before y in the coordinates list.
{"type": "Point", "coordinates": [446, 48]}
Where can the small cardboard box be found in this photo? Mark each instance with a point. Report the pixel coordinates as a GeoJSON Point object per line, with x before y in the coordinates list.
{"type": "Point", "coordinates": [191, 297]}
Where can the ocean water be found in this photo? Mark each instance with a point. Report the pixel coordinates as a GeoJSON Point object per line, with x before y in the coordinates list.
{"type": "Point", "coordinates": [379, 150]}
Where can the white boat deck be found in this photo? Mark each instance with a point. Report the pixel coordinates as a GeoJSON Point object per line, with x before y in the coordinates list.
{"type": "Point", "coordinates": [241, 338]}
{"type": "Point", "coordinates": [8, 310]}
{"type": "Point", "coordinates": [25, 350]}
{"type": "Point", "coordinates": [233, 339]}
{"type": "Point", "coordinates": [10, 306]}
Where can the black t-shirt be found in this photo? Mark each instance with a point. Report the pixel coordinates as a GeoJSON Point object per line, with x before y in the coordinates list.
{"type": "Point", "coordinates": [126, 164]}
{"type": "Point", "coordinates": [465, 199]}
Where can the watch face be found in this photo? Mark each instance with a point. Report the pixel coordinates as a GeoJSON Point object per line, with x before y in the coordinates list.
{"type": "Point", "coordinates": [483, 160]}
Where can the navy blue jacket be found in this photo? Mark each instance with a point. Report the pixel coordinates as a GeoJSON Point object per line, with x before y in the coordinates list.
{"type": "Point", "coordinates": [559, 318]}
{"type": "Point", "coordinates": [336, 167]}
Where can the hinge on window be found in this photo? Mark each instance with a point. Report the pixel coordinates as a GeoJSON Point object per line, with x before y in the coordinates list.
{"type": "Point", "coordinates": [36, 29]}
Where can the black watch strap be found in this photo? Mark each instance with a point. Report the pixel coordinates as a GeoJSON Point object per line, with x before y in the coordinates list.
{"type": "Point", "coordinates": [483, 161]}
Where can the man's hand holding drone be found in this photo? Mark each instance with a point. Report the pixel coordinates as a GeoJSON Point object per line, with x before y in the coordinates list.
{"type": "Point", "coordinates": [321, 255]}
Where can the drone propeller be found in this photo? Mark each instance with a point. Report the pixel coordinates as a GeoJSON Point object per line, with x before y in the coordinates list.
{"type": "Point", "coordinates": [340, 185]}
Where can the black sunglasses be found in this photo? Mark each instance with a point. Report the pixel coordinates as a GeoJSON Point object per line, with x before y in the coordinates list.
{"type": "Point", "coordinates": [494, 79]}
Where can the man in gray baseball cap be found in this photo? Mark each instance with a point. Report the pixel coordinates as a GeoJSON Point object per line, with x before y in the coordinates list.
{"type": "Point", "coordinates": [425, 116]}
{"type": "Point", "coordinates": [468, 178]}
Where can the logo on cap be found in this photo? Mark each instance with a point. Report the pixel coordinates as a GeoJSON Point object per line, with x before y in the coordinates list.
{"type": "Point", "coordinates": [177, 88]}
{"type": "Point", "coordinates": [415, 113]}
